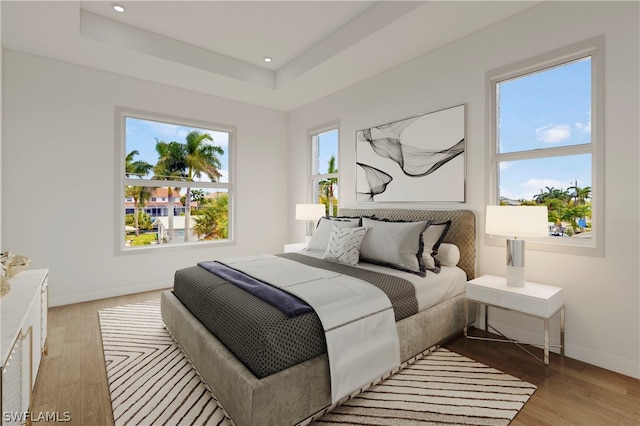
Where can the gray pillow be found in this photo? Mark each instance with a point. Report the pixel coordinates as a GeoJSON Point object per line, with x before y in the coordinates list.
{"type": "Point", "coordinates": [395, 244]}
{"type": "Point", "coordinates": [432, 238]}
{"type": "Point", "coordinates": [320, 238]}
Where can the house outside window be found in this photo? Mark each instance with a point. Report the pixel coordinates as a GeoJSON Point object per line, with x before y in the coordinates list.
{"type": "Point", "coordinates": [175, 182]}
{"type": "Point", "coordinates": [546, 133]}
{"type": "Point", "coordinates": [324, 167]}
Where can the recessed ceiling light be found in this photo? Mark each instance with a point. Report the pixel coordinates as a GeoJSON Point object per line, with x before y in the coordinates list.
{"type": "Point", "coordinates": [267, 59]}
{"type": "Point", "coordinates": [118, 8]}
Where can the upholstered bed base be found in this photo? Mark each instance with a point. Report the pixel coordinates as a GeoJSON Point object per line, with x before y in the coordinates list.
{"type": "Point", "coordinates": [294, 394]}
{"type": "Point", "coordinates": [290, 396]}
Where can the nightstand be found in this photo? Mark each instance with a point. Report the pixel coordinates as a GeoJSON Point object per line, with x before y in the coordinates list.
{"type": "Point", "coordinates": [535, 300]}
{"type": "Point", "coordinates": [288, 248]}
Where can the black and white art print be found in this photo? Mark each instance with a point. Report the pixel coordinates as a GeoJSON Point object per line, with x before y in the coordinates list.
{"type": "Point", "coordinates": [420, 158]}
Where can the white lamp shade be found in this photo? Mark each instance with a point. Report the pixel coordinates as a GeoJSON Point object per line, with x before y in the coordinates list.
{"type": "Point", "coordinates": [517, 221]}
{"type": "Point", "coordinates": [309, 211]}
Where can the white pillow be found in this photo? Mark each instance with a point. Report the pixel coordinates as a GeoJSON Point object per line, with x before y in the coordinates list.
{"type": "Point", "coordinates": [448, 254]}
{"type": "Point", "coordinates": [394, 244]}
{"type": "Point", "coordinates": [432, 239]}
{"type": "Point", "coordinates": [344, 245]}
{"type": "Point", "coordinates": [321, 235]}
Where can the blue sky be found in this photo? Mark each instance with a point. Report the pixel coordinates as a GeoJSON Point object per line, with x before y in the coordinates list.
{"type": "Point", "coordinates": [543, 110]}
{"type": "Point", "coordinates": [327, 146]}
{"type": "Point", "coordinates": [142, 134]}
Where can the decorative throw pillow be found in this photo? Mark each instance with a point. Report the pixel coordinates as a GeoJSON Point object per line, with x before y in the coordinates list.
{"type": "Point", "coordinates": [394, 244]}
{"type": "Point", "coordinates": [344, 245]}
{"type": "Point", "coordinates": [448, 254]}
{"type": "Point", "coordinates": [346, 219]}
{"type": "Point", "coordinates": [321, 235]}
{"type": "Point", "coordinates": [432, 238]}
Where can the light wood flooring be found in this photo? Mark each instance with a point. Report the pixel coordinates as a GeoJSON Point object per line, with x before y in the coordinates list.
{"type": "Point", "coordinates": [72, 376]}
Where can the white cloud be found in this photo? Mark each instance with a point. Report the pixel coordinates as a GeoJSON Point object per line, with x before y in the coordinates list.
{"type": "Point", "coordinates": [163, 130]}
{"type": "Point", "coordinates": [530, 188]}
{"type": "Point", "coordinates": [205, 177]}
{"type": "Point", "coordinates": [586, 128]}
{"type": "Point", "coordinates": [553, 133]}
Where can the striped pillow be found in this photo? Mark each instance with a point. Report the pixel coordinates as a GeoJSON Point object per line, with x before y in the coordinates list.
{"type": "Point", "coordinates": [344, 245]}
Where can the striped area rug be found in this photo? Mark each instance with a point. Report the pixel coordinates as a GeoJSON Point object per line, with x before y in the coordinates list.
{"type": "Point", "coordinates": [152, 382]}
{"type": "Point", "coordinates": [443, 388]}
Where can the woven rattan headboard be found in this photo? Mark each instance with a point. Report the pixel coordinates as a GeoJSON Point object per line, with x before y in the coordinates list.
{"type": "Point", "coordinates": [462, 232]}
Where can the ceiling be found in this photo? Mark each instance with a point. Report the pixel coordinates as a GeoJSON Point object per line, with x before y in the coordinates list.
{"type": "Point", "coordinates": [218, 47]}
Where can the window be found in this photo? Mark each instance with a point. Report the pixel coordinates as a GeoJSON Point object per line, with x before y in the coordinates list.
{"type": "Point", "coordinates": [324, 168]}
{"type": "Point", "coordinates": [546, 143]}
{"type": "Point", "coordinates": [175, 182]}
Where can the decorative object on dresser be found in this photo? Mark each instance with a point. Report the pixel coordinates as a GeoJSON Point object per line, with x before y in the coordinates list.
{"type": "Point", "coordinates": [429, 155]}
{"type": "Point", "coordinates": [5, 259]}
{"type": "Point", "coordinates": [515, 223]}
{"type": "Point", "coordinates": [24, 338]}
{"type": "Point", "coordinates": [18, 264]}
{"type": "Point", "coordinates": [535, 300]}
{"type": "Point", "coordinates": [436, 387]}
{"type": "Point", "coordinates": [258, 384]}
{"type": "Point", "coordinates": [10, 265]}
{"type": "Point", "coordinates": [309, 213]}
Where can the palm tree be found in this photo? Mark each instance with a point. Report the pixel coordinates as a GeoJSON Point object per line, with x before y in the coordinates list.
{"type": "Point", "coordinates": [199, 157]}
{"type": "Point", "coordinates": [137, 168]}
{"type": "Point", "coordinates": [569, 214]}
{"type": "Point", "coordinates": [170, 166]}
{"type": "Point", "coordinates": [580, 195]}
{"type": "Point", "coordinates": [198, 195]}
{"type": "Point", "coordinates": [327, 185]}
{"type": "Point", "coordinates": [139, 194]}
{"type": "Point", "coordinates": [213, 221]}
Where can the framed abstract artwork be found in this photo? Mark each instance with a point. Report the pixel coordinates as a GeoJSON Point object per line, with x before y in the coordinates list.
{"type": "Point", "coordinates": [421, 158]}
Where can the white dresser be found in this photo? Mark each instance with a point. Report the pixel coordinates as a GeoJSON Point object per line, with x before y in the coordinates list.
{"type": "Point", "coordinates": [23, 318]}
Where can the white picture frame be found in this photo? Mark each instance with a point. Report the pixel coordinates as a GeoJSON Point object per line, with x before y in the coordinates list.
{"type": "Point", "coordinates": [421, 158]}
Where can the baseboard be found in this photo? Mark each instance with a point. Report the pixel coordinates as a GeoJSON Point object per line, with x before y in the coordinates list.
{"type": "Point", "coordinates": [625, 366]}
{"type": "Point", "coordinates": [608, 361]}
{"type": "Point", "coordinates": [109, 292]}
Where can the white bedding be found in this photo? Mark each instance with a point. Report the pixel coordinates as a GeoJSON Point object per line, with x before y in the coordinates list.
{"type": "Point", "coordinates": [358, 319]}
{"type": "Point", "coordinates": [430, 290]}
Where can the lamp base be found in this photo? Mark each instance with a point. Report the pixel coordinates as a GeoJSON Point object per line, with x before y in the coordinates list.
{"type": "Point", "coordinates": [515, 262]}
{"type": "Point", "coordinates": [515, 276]}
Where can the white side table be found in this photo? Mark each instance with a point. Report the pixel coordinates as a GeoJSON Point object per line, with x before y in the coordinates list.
{"type": "Point", "coordinates": [288, 248]}
{"type": "Point", "coordinates": [536, 300]}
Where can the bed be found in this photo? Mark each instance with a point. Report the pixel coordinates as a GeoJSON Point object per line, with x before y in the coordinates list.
{"type": "Point", "coordinates": [302, 391]}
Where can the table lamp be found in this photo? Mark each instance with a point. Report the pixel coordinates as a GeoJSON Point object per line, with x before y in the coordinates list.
{"type": "Point", "coordinates": [311, 213]}
{"type": "Point", "coordinates": [516, 223]}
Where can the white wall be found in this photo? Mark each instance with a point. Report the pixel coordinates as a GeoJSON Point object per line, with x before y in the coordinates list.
{"type": "Point", "coordinates": [601, 294]}
{"type": "Point", "coordinates": [58, 174]}
{"type": "Point", "coordinates": [1, 121]}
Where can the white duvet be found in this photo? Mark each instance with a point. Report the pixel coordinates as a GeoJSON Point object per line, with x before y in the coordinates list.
{"type": "Point", "coordinates": [358, 319]}
{"type": "Point", "coordinates": [430, 290]}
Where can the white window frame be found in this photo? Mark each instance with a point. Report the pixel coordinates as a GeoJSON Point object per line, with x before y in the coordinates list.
{"type": "Point", "coordinates": [594, 48]}
{"type": "Point", "coordinates": [312, 134]}
{"type": "Point", "coordinates": [121, 180]}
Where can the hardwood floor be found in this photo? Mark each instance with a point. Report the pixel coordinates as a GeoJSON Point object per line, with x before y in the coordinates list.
{"type": "Point", "coordinates": [573, 394]}
{"type": "Point", "coordinates": [73, 379]}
